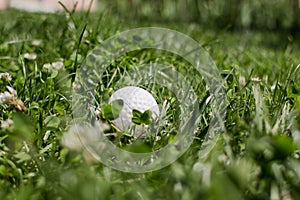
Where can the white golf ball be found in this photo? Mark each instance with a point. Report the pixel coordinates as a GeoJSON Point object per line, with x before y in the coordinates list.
{"type": "Point", "coordinates": [133, 98]}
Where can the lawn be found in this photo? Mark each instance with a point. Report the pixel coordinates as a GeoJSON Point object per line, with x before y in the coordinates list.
{"type": "Point", "coordinates": [256, 155]}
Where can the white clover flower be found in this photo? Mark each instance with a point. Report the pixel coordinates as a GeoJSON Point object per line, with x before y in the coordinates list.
{"type": "Point", "coordinates": [7, 123]}
{"type": "Point", "coordinates": [58, 65]}
{"type": "Point", "coordinates": [5, 76]}
{"type": "Point", "coordinates": [6, 97]}
{"type": "Point", "coordinates": [10, 97]}
{"type": "Point", "coordinates": [30, 56]}
{"type": "Point", "coordinates": [36, 42]}
{"type": "Point", "coordinates": [54, 65]}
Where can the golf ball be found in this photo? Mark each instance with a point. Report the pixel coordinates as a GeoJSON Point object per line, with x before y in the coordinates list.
{"type": "Point", "coordinates": [133, 98]}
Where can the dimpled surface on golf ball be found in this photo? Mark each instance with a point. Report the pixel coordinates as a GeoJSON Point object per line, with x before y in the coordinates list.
{"type": "Point", "coordinates": [133, 98]}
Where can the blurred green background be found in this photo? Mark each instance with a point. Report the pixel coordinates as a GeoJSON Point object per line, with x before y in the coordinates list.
{"type": "Point", "coordinates": [258, 14]}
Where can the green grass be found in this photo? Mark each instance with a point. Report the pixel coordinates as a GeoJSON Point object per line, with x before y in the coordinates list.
{"type": "Point", "coordinates": [256, 157]}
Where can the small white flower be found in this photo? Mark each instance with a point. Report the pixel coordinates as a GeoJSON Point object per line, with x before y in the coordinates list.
{"type": "Point", "coordinates": [7, 123]}
{"type": "Point", "coordinates": [55, 65]}
{"type": "Point", "coordinates": [5, 76]}
{"type": "Point", "coordinates": [6, 97]}
{"type": "Point", "coordinates": [10, 97]}
{"type": "Point", "coordinates": [36, 42]}
{"type": "Point", "coordinates": [58, 65]}
{"type": "Point", "coordinates": [30, 56]}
